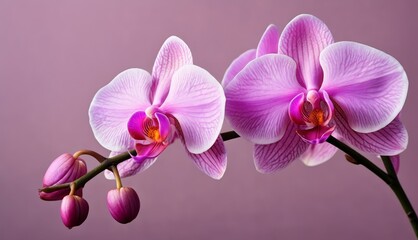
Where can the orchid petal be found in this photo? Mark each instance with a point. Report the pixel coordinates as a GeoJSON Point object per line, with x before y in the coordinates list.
{"type": "Point", "coordinates": [151, 150]}
{"type": "Point", "coordinates": [258, 98]}
{"type": "Point", "coordinates": [390, 140]}
{"type": "Point", "coordinates": [269, 42]}
{"type": "Point", "coordinates": [272, 157]}
{"type": "Point", "coordinates": [369, 85]}
{"type": "Point", "coordinates": [136, 125]}
{"type": "Point", "coordinates": [316, 154]}
{"type": "Point", "coordinates": [303, 39]}
{"type": "Point", "coordinates": [114, 104]}
{"type": "Point", "coordinates": [197, 101]}
{"type": "Point", "coordinates": [237, 65]}
{"type": "Point", "coordinates": [129, 167]}
{"type": "Point", "coordinates": [316, 135]}
{"type": "Point", "coordinates": [173, 55]}
{"type": "Point", "coordinates": [213, 161]}
{"type": "Point", "coordinates": [164, 125]}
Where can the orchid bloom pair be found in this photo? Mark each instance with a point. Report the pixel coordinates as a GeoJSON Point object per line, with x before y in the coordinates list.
{"type": "Point", "coordinates": [287, 96]}
{"type": "Point", "coordinates": [292, 92]}
{"type": "Point", "coordinates": [147, 112]}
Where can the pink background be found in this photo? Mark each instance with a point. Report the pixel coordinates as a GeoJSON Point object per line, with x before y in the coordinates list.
{"type": "Point", "coordinates": [55, 55]}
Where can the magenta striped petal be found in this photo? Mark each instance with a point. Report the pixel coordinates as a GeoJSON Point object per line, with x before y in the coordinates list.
{"type": "Point", "coordinates": [269, 42]}
{"type": "Point", "coordinates": [213, 161]}
{"type": "Point", "coordinates": [303, 39]}
{"type": "Point", "coordinates": [272, 157]}
{"type": "Point", "coordinates": [390, 140]}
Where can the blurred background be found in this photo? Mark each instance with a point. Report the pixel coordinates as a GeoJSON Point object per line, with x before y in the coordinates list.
{"type": "Point", "coordinates": [55, 55]}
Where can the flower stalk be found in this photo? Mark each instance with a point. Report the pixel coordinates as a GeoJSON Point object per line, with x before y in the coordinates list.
{"type": "Point", "coordinates": [396, 187]}
{"type": "Point", "coordinates": [108, 163]}
{"type": "Point", "coordinates": [390, 178]}
{"type": "Point", "coordinates": [105, 164]}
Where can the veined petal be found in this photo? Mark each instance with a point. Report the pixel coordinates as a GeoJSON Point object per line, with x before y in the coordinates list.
{"type": "Point", "coordinates": [303, 39]}
{"type": "Point", "coordinates": [237, 65]}
{"type": "Point", "coordinates": [390, 140]}
{"type": "Point", "coordinates": [197, 101]}
{"type": "Point", "coordinates": [272, 157]}
{"type": "Point", "coordinates": [129, 167]}
{"type": "Point", "coordinates": [258, 98]}
{"type": "Point", "coordinates": [114, 104]}
{"type": "Point", "coordinates": [369, 85]}
{"type": "Point", "coordinates": [173, 55]}
{"type": "Point", "coordinates": [213, 161]}
{"type": "Point", "coordinates": [269, 42]}
{"type": "Point", "coordinates": [316, 154]}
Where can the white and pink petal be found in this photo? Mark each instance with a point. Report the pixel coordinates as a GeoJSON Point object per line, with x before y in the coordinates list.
{"type": "Point", "coordinates": [197, 101]}
{"type": "Point", "coordinates": [269, 42]}
{"type": "Point", "coordinates": [303, 39]}
{"type": "Point", "coordinates": [173, 55]}
{"type": "Point", "coordinates": [390, 140]}
{"type": "Point", "coordinates": [258, 98]}
{"type": "Point", "coordinates": [114, 104]}
{"type": "Point", "coordinates": [213, 161]}
{"type": "Point", "coordinates": [237, 65]}
{"type": "Point", "coordinates": [317, 154]}
{"type": "Point", "coordinates": [269, 158]}
{"type": "Point", "coordinates": [369, 85]}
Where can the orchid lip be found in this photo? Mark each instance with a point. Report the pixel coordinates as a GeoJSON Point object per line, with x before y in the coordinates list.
{"type": "Point", "coordinates": [312, 113]}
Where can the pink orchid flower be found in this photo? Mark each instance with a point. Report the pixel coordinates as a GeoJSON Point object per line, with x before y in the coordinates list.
{"type": "Point", "coordinates": [292, 92]}
{"type": "Point", "coordinates": [147, 112]}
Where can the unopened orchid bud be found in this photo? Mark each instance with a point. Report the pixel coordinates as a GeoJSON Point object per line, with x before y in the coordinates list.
{"type": "Point", "coordinates": [123, 204]}
{"type": "Point", "coordinates": [63, 169]}
{"type": "Point", "coordinates": [74, 210]}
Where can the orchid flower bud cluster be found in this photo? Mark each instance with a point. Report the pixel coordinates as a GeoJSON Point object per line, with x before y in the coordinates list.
{"type": "Point", "coordinates": [297, 96]}
{"type": "Point", "coordinates": [123, 202]}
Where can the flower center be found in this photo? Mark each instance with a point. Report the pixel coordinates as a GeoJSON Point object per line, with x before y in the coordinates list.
{"type": "Point", "coordinates": [316, 117]}
{"type": "Point", "coordinates": [312, 113]}
{"type": "Point", "coordinates": [154, 133]}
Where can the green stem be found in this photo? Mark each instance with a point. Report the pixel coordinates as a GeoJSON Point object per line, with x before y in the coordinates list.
{"type": "Point", "coordinates": [396, 187]}
{"type": "Point", "coordinates": [107, 163]}
{"type": "Point", "coordinates": [117, 177]}
{"type": "Point", "coordinates": [360, 159]}
{"type": "Point", "coordinates": [80, 182]}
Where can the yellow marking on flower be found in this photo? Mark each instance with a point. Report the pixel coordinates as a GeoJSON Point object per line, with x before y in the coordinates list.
{"type": "Point", "coordinates": [316, 117]}
{"type": "Point", "coordinates": [154, 134]}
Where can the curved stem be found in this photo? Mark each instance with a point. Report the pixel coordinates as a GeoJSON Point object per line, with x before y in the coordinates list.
{"type": "Point", "coordinates": [94, 154]}
{"type": "Point", "coordinates": [360, 159]}
{"type": "Point", "coordinates": [400, 194]}
{"type": "Point", "coordinates": [80, 182]}
{"type": "Point", "coordinates": [117, 177]}
{"type": "Point", "coordinates": [389, 178]}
